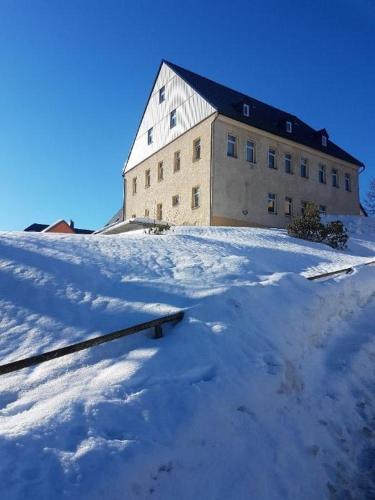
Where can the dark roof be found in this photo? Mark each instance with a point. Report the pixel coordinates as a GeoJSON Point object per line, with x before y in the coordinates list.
{"type": "Point", "coordinates": [229, 103]}
{"type": "Point", "coordinates": [82, 231]}
{"type": "Point", "coordinates": [36, 227]}
{"type": "Point", "coordinates": [118, 217]}
{"type": "Point", "coordinates": [39, 228]}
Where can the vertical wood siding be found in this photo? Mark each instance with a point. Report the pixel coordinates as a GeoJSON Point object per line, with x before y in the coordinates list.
{"type": "Point", "coordinates": [190, 107]}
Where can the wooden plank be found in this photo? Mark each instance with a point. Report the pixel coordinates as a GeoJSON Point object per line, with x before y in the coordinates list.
{"type": "Point", "coordinates": [63, 351]}
{"type": "Point", "coordinates": [346, 270]}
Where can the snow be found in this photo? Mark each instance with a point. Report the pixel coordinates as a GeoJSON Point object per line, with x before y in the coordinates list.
{"type": "Point", "coordinates": [264, 391]}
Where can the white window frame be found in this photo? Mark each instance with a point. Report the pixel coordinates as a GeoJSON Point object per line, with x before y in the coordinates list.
{"type": "Point", "coordinates": [335, 178]}
{"type": "Point", "coordinates": [304, 205]}
{"type": "Point", "coordinates": [272, 154]}
{"type": "Point", "coordinates": [195, 197]}
{"type": "Point", "coordinates": [322, 210]}
{"type": "Point", "coordinates": [150, 136]}
{"type": "Point", "coordinates": [324, 140]}
{"type": "Point", "coordinates": [197, 148]}
{"type": "Point", "coordinates": [159, 211]}
{"type": "Point", "coordinates": [348, 182]}
{"type": "Point", "coordinates": [148, 178]}
{"type": "Point", "coordinates": [272, 197]}
{"type": "Point", "coordinates": [323, 171]}
{"type": "Point", "coordinates": [162, 94]}
{"type": "Point", "coordinates": [304, 163]}
{"type": "Point", "coordinates": [251, 148]}
{"type": "Point", "coordinates": [160, 171]}
{"type": "Point", "coordinates": [289, 127]}
{"type": "Point", "coordinates": [288, 157]}
{"type": "Point", "coordinates": [173, 118]}
{"type": "Point", "coordinates": [288, 202]}
{"type": "Point", "coordinates": [177, 161]}
{"type": "Point", "coordinates": [232, 141]}
{"type": "Point", "coordinates": [246, 110]}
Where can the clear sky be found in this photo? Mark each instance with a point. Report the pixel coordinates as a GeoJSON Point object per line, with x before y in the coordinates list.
{"type": "Point", "coordinates": [75, 76]}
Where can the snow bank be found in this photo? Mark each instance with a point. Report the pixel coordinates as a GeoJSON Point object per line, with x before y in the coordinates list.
{"type": "Point", "coordinates": [263, 391]}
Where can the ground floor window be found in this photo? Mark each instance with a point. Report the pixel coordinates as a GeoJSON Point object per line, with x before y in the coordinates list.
{"type": "Point", "coordinates": [288, 206]}
{"type": "Point", "coordinates": [195, 197]}
{"type": "Point", "coordinates": [272, 203]}
{"type": "Point", "coordinates": [159, 211]}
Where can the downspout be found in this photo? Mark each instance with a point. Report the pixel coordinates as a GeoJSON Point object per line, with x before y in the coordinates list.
{"type": "Point", "coordinates": [360, 170]}
{"type": "Point", "coordinates": [123, 196]}
{"type": "Point", "coordinates": [211, 166]}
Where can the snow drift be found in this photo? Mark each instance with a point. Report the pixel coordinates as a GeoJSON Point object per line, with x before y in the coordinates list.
{"type": "Point", "coordinates": [264, 391]}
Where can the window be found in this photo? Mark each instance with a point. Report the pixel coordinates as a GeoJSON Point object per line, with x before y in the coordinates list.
{"type": "Point", "coordinates": [322, 210]}
{"type": "Point", "coordinates": [303, 207]}
{"type": "Point", "coordinates": [134, 185]}
{"type": "Point", "coordinates": [272, 209]}
{"type": "Point", "coordinates": [324, 140]}
{"type": "Point", "coordinates": [348, 182]}
{"type": "Point", "coordinates": [232, 146]}
{"type": "Point", "coordinates": [335, 178]}
{"type": "Point", "coordinates": [195, 198]}
{"type": "Point", "coordinates": [288, 163]}
{"type": "Point", "coordinates": [176, 161]}
{"type": "Point", "coordinates": [272, 158]}
{"type": "Point", "coordinates": [246, 110]}
{"type": "Point", "coordinates": [134, 216]}
{"type": "Point", "coordinates": [250, 152]}
{"type": "Point", "coordinates": [159, 211]}
{"type": "Point", "coordinates": [304, 168]}
{"type": "Point", "coordinates": [175, 200]}
{"type": "Point", "coordinates": [197, 149]}
{"type": "Point", "coordinates": [162, 95]}
{"type": "Point", "coordinates": [289, 127]}
{"type": "Point", "coordinates": [288, 206]}
{"type": "Point", "coordinates": [160, 171]}
{"type": "Point", "coordinates": [322, 174]}
{"type": "Point", "coordinates": [147, 212]}
{"type": "Point", "coordinates": [147, 178]}
{"type": "Point", "coordinates": [172, 119]}
{"type": "Point", "coordinates": [149, 136]}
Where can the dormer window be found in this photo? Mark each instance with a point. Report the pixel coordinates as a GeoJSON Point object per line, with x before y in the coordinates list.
{"type": "Point", "coordinates": [289, 127]}
{"type": "Point", "coordinates": [162, 95]}
{"type": "Point", "coordinates": [246, 110]}
{"type": "Point", "coordinates": [324, 140]}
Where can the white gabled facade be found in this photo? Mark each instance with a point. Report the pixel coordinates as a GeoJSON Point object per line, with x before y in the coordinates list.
{"type": "Point", "coordinates": [190, 108]}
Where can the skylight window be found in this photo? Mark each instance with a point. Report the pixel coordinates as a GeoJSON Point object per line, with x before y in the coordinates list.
{"type": "Point", "coordinates": [289, 127]}
{"type": "Point", "coordinates": [246, 110]}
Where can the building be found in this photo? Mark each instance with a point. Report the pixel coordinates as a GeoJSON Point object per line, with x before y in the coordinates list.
{"type": "Point", "coordinates": [205, 154]}
{"type": "Point", "coordinates": [60, 226]}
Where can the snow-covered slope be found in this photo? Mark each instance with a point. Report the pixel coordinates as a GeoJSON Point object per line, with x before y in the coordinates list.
{"type": "Point", "coordinates": [264, 391]}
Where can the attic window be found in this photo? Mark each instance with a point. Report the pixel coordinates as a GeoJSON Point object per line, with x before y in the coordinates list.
{"type": "Point", "coordinates": [289, 127]}
{"type": "Point", "coordinates": [246, 110]}
{"type": "Point", "coordinates": [324, 140]}
{"type": "Point", "coordinates": [162, 95]}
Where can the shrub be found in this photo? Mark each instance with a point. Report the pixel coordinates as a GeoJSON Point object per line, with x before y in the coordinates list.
{"type": "Point", "coordinates": [159, 229]}
{"type": "Point", "coordinates": [309, 227]}
{"type": "Point", "coordinates": [336, 235]}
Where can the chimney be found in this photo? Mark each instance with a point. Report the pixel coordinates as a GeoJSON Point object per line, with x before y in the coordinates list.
{"type": "Point", "coordinates": [71, 223]}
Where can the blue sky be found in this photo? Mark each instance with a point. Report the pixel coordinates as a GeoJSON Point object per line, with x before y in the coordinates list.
{"type": "Point", "coordinates": [75, 75]}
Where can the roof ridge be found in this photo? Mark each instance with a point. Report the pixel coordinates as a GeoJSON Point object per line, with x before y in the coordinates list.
{"type": "Point", "coordinates": [233, 90]}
